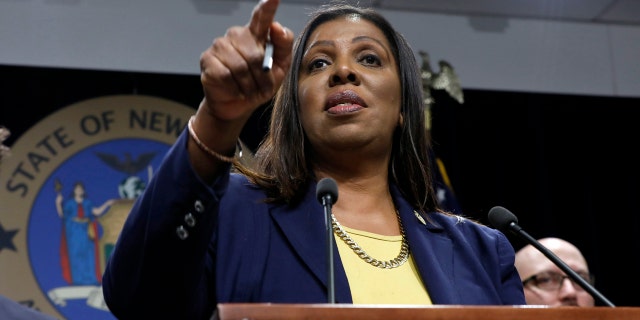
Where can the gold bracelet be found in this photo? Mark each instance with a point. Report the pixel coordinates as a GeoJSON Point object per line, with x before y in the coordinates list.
{"type": "Point", "coordinates": [203, 147]}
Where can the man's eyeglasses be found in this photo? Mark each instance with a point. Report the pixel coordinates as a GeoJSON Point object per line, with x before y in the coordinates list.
{"type": "Point", "coordinates": [551, 281]}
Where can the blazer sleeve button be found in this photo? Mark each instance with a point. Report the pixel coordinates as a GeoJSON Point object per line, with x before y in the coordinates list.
{"type": "Point", "coordinates": [190, 220]}
{"type": "Point", "coordinates": [198, 206]}
{"type": "Point", "coordinates": [182, 232]}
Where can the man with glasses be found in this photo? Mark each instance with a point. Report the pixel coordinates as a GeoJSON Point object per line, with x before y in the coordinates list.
{"type": "Point", "coordinates": [546, 284]}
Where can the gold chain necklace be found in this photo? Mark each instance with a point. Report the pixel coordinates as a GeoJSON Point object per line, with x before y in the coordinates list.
{"type": "Point", "coordinates": [402, 257]}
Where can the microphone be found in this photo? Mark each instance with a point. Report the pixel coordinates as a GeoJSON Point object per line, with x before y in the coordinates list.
{"type": "Point", "coordinates": [327, 191]}
{"type": "Point", "coordinates": [327, 194]}
{"type": "Point", "coordinates": [504, 220]}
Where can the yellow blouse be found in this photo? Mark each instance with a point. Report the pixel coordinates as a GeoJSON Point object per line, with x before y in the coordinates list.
{"type": "Point", "coordinates": [374, 285]}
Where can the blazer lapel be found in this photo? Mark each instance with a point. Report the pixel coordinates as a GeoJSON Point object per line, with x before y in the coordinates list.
{"type": "Point", "coordinates": [305, 228]}
{"type": "Point", "coordinates": [432, 252]}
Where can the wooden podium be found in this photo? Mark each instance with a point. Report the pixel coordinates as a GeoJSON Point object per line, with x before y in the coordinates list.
{"type": "Point", "coordinates": [269, 311]}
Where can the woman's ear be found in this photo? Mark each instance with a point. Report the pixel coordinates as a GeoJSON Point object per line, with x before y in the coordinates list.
{"type": "Point", "coordinates": [400, 121]}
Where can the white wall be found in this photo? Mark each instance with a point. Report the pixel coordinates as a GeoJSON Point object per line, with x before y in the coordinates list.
{"type": "Point", "coordinates": [167, 36]}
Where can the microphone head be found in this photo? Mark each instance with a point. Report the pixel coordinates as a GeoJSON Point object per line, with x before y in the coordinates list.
{"type": "Point", "coordinates": [502, 218]}
{"type": "Point", "coordinates": [327, 186]}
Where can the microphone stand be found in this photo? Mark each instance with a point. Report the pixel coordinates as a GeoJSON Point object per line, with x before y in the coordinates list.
{"type": "Point", "coordinates": [572, 274]}
{"type": "Point", "coordinates": [326, 203]}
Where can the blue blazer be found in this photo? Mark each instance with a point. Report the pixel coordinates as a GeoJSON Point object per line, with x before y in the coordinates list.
{"type": "Point", "coordinates": [187, 246]}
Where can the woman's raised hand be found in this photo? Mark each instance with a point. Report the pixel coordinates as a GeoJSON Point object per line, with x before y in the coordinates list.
{"type": "Point", "coordinates": [232, 75]}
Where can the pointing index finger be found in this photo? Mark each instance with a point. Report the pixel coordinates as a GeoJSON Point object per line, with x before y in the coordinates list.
{"type": "Point", "coordinates": [262, 17]}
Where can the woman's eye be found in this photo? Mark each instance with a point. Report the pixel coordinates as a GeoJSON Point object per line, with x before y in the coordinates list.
{"type": "Point", "coordinates": [371, 59]}
{"type": "Point", "coordinates": [318, 64]}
